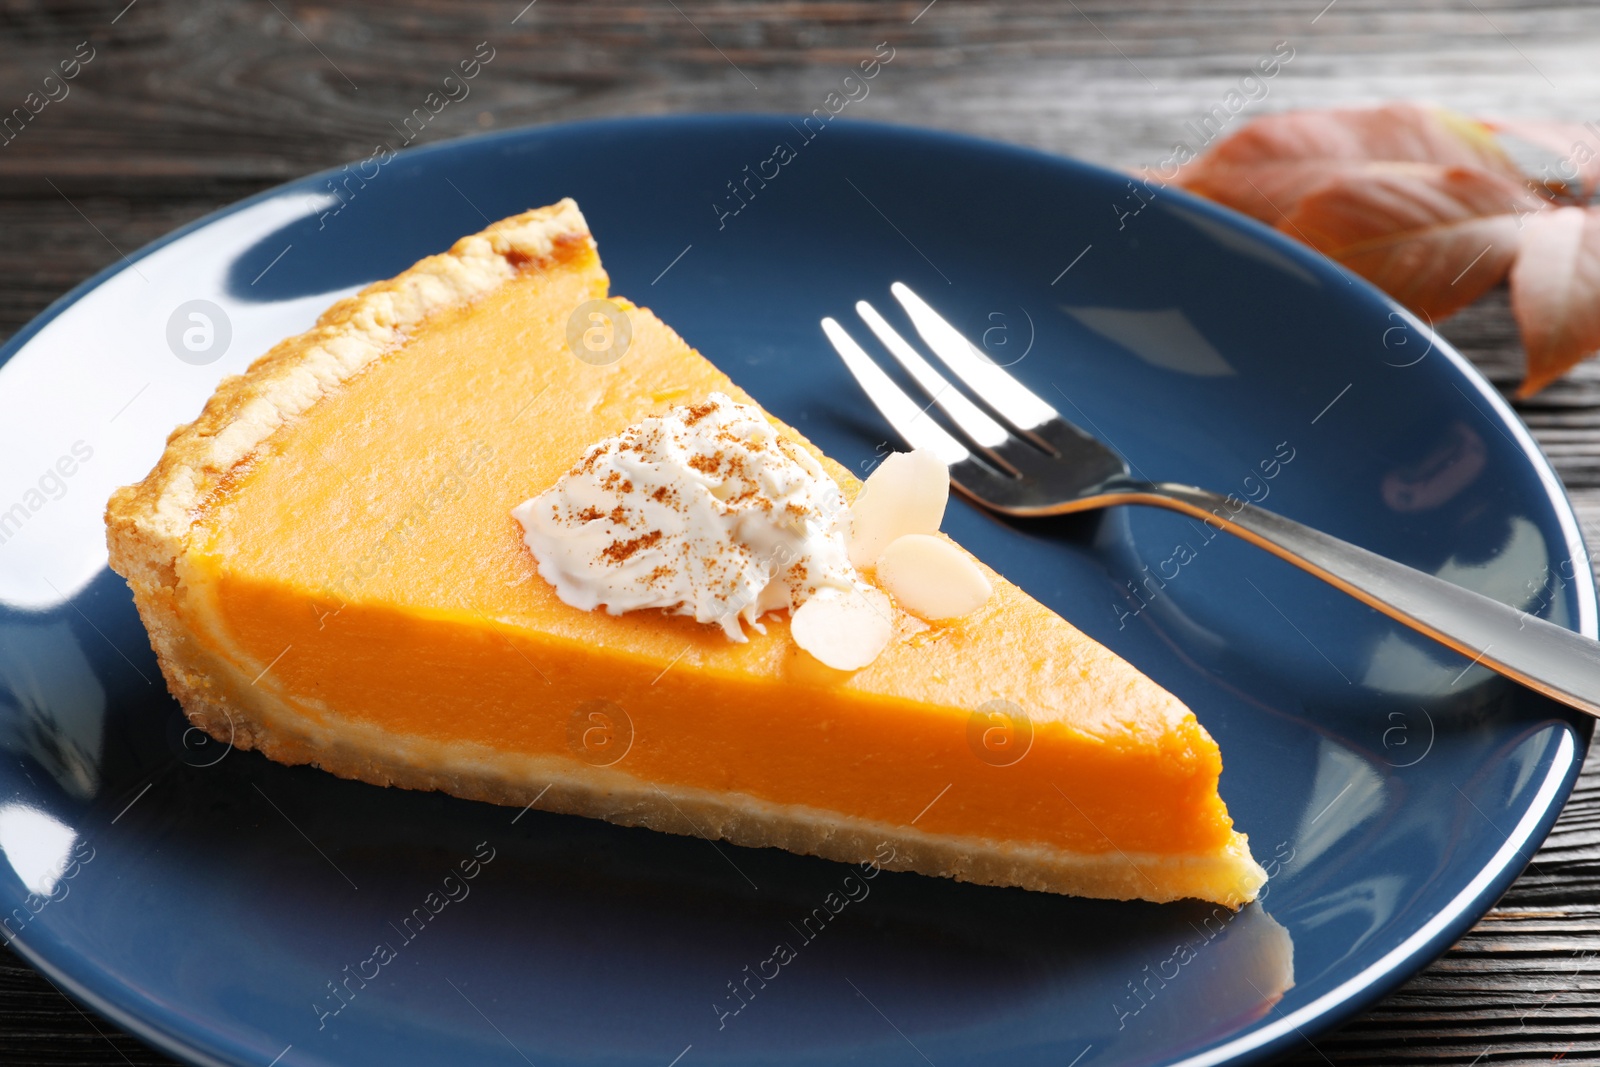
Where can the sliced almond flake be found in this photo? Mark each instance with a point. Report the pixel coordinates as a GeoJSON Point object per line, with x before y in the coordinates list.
{"type": "Point", "coordinates": [932, 578]}
{"type": "Point", "coordinates": [845, 629]}
{"type": "Point", "coordinates": [905, 495]}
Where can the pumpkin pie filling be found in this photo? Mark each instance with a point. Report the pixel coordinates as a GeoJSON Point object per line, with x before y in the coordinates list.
{"type": "Point", "coordinates": [353, 591]}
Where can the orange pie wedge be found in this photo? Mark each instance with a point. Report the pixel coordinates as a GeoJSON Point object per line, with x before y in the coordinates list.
{"type": "Point", "coordinates": [330, 573]}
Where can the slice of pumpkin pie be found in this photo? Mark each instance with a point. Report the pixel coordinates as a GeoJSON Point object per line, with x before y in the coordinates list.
{"type": "Point", "coordinates": [484, 530]}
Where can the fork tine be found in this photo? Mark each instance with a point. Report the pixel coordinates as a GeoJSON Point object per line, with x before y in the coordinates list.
{"type": "Point", "coordinates": [1015, 402]}
{"type": "Point", "coordinates": [971, 419]}
{"type": "Point", "coordinates": [901, 411]}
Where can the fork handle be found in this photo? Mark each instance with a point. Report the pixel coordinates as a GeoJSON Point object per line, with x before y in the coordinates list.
{"type": "Point", "coordinates": [1547, 658]}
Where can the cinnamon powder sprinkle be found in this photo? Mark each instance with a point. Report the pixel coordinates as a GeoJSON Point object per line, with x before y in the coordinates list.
{"type": "Point", "coordinates": [699, 411]}
{"type": "Point", "coordinates": [622, 551]}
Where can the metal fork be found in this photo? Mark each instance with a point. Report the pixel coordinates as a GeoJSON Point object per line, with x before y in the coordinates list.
{"type": "Point", "coordinates": [1031, 461]}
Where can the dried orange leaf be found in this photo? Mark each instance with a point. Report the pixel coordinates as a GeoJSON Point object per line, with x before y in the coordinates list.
{"type": "Point", "coordinates": [1574, 166]}
{"type": "Point", "coordinates": [1266, 168]}
{"type": "Point", "coordinates": [1555, 293]}
{"type": "Point", "coordinates": [1431, 206]}
{"type": "Point", "coordinates": [1434, 237]}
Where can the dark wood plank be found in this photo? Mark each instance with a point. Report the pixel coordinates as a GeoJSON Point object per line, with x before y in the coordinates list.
{"type": "Point", "coordinates": [187, 107]}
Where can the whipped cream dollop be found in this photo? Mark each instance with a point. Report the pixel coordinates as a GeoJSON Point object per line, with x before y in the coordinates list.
{"type": "Point", "coordinates": [704, 511]}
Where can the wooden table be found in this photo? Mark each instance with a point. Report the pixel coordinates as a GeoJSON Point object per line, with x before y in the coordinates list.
{"type": "Point", "coordinates": [185, 107]}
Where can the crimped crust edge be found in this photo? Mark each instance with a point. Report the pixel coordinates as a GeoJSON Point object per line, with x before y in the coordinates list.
{"type": "Point", "coordinates": [148, 523]}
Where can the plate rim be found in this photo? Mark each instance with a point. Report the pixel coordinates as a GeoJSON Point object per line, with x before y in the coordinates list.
{"type": "Point", "coordinates": [164, 1028]}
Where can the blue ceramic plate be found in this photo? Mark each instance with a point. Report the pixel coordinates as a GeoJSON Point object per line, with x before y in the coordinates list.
{"type": "Point", "coordinates": [225, 907]}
